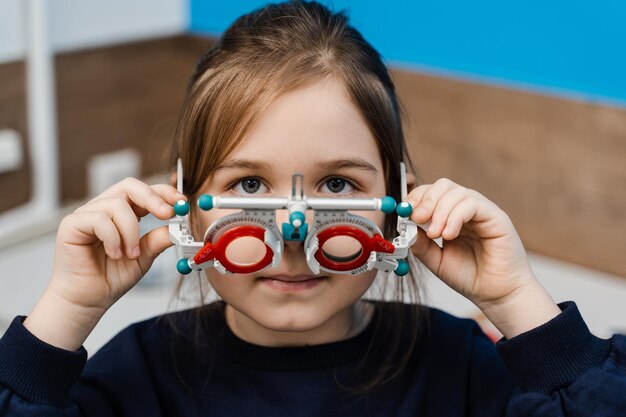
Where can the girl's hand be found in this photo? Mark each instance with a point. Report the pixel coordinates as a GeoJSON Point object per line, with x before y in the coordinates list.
{"type": "Point", "coordinates": [99, 257]}
{"type": "Point", "coordinates": [482, 256]}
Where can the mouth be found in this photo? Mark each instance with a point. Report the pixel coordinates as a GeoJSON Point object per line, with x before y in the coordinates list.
{"type": "Point", "coordinates": [293, 283]}
{"type": "Point", "coordinates": [293, 278]}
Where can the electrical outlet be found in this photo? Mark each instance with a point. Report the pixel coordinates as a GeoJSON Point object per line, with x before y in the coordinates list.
{"type": "Point", "coordinates": [10, 150]}
{"type": "Point", "coordinates": [104, 170]}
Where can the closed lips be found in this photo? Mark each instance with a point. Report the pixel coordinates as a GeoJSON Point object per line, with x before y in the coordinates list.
{"type": "Point", "coordinates": [293, 278]}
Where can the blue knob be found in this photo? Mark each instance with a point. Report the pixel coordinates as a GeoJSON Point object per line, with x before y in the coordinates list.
{"type": "Point", "coordinates": [181, 208]}
{"type": "Point", "coordinates": [205, 202]}
{"type": "Point", "coordinates": [183, 266]}
{"type": "Point", "coordinates": [388, 204]}
{"type": "Point", "coordinates": [404, 209]}
{"type": "Point", "coordinates": [402, 269]}
{"type": "Point", "coordinates": [296, 219]}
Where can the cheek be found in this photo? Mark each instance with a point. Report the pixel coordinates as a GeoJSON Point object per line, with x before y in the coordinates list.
{"type": "Point", "coordinates": [201, 220]}
{"type": "Point", "coordinates": [352, 287]}
{"type": "Point", "coordinates": [379, 218]}
{"type": "Point", "coordinates": [376, 217]}
{"type": "Point", "coordinates": [231, 286]}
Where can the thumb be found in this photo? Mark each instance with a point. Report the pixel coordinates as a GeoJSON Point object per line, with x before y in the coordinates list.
{"type": "Point", "coordinates": [427, 251]}
{"type": "Point", "coordinates": [152, 244]}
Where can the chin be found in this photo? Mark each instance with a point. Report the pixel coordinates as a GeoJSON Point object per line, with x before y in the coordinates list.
{"type": "Point", "coordinates": [290, 318]}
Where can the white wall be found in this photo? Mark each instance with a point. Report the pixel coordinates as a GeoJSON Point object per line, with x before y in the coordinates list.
{"type": "Point", "coordinates": [11, 36]}
{"type": "Point", "coordinates": [88, 23]}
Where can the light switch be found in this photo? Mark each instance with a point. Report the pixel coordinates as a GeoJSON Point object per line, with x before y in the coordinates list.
{"type": "Point", "coordinates": [106, 169]}
{"type": "Point", "coordinates": [10, 150]}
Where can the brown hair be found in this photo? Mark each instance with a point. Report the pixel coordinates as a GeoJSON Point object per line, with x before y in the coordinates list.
{"type": "Point", "coordinates": [264, 54]}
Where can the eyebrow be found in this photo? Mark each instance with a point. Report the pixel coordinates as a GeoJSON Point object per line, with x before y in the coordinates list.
{"type": "Point", "coordinates": [242, 164]}
{"type": "Point", "coordinates": [335, 164]}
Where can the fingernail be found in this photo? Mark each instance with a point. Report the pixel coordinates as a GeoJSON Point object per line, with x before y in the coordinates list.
{"type": "Point", "coordinates": [136, 251]}
{"type": "Point", "coordinates": [166, 207]}
{"type": "Point", "coordinates": [118, 253]}
{"type": "Point", "coordinates": [432, 227]}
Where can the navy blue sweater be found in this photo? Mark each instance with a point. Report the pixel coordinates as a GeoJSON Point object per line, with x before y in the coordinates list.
{"type": "Point", "coordinates": [558, 369]}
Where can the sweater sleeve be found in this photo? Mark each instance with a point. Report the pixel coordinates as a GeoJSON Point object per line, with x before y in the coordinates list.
{"type": "Point", "coordinates": [38, 379]}
{"type": "Point", "coordinates": [35, 377]}
{"type": "Point", "coordinates": [561, 369]}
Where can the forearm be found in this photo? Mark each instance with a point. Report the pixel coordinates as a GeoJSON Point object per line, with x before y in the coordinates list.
{"type": "Point", "coordinates": [522, 310]}
{"type": "Point", "coordinates": [55, 322]}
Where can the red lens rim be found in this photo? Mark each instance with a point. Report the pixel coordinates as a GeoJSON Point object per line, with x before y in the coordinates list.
{"type": "Point", "coordinates": [368, 244]}
{"type": "Point", "coordinates": [218, 250]}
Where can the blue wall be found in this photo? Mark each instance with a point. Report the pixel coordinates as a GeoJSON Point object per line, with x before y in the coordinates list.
{"type": "Point", "coordinates": [567, 47]}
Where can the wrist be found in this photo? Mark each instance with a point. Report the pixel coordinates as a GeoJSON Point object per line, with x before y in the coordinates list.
{"type": "Point", "coordinates": [522, 310]}
{"type": "Point", "coordinates": [61, 324]}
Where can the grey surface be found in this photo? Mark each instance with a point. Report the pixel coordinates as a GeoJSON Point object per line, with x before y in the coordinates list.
{"type": "Point", "coordinates": [25, 272]}
{"type": "Point", "coordinates": [4, 324]}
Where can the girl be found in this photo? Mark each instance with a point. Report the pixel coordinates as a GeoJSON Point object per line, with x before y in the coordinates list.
{"type": "Point", "coordinates": [293, 88]}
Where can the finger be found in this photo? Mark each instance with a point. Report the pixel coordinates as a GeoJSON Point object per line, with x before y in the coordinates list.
{"type": "Point", "coordinates": [443, 208]}
{"type": "Point", "coordinates": [427, 251]}
{"type": "Point", "coordinates": [168, 193]}
{"type": "Point", "coordinates": [462, 213]}
{"type": "Point", "coordinates": [123, 217]}
{"type": "Point", "coordinates": [152, 245]}
{"type": "Point", "coordinates": [425, 206]}
{"type": "Point", "coordinates": [157, 199]}
{"type": "Point", "coordinates": [95, 224]}
{"type": "Point", "coordinates": [174, 179]}
{"type": "Point", "coordinates": [478, 213]}
{"type": "Point", "coordinates": [416, 195]}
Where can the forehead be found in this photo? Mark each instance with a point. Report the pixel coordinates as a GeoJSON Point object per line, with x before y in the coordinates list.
{"type": "Point", "coordinates": [308, 125]}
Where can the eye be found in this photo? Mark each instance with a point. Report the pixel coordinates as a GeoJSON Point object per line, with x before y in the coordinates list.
{"type": "Point", "coordinates": [248, 185]}
{"type": "Point", "coordinates": [336, 185]}
{"type": "Point", "coordinates": [252, 185]}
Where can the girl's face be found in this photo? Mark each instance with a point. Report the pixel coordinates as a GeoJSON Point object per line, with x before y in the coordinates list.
{"type": "Point", "coordinates": [317, 132]}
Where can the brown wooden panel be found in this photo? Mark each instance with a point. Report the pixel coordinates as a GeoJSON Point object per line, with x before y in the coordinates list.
{"type": "Point", "coordinates": [14, 185]}
{"type": "Point", "coordinates": [556, 166]}
{"type": "Point", "coordinates": [108, 98]}
{"type": "Point", "coordinates": [121, 96]}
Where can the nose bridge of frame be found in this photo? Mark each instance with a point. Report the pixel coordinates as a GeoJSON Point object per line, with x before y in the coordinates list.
{"type": "Point", "coordinates": [295, 224]}
{"type": "Point", "coordinates": [295, 227]}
